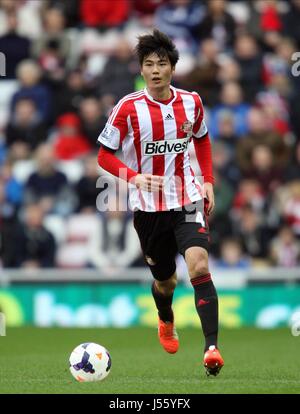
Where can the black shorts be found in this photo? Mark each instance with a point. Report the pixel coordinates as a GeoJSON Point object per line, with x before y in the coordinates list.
{"type": "Point", "coordinates": [165, 233]}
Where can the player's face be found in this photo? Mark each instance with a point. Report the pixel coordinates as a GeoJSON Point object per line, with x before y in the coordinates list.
{"type": "Point", "coordinates": [157, 71]}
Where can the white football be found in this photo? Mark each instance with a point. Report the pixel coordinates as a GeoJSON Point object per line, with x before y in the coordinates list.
{"type": "Point", "coordinates": [90, 362]}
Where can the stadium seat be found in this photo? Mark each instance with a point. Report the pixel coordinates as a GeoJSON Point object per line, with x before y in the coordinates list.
{"type": "Point", "coordinates": [23, 169]}
{"type": "Point", "coordinates": [73, 169]}
{"type": "Point", "coordinates": [75, 251]}
{"type": "Point", "coordinates": [57, 226]}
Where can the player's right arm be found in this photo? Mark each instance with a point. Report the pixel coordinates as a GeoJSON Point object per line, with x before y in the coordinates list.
{"type": "Point", "coordinates": [111, 138]}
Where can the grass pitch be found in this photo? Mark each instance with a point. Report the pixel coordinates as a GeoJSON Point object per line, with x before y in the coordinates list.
{"type": "Point", "coordinates": [35, 360]}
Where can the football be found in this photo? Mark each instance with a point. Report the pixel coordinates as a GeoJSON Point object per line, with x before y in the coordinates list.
{"type": "Point", "coordinates": [90, 362]}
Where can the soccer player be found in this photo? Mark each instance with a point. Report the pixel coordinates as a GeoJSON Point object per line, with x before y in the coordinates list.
{"type": "Point", "coordinates": [154, 128]}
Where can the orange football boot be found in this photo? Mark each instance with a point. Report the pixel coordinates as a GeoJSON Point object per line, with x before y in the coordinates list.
{"type": "Point", "coordinates": [168, 336]}
{"type": "Point", "coordinates": [213, 361]}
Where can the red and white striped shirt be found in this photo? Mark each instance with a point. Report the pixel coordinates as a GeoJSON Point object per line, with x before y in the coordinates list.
{"type": "Point", "coordinates": [155, 137]}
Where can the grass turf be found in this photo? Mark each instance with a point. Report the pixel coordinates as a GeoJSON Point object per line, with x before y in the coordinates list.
{"type": "Point", "coordinates": [34, 360]}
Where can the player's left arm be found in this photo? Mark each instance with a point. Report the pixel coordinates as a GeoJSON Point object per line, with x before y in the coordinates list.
{"type": "Point", "coordinates": [204, 157]}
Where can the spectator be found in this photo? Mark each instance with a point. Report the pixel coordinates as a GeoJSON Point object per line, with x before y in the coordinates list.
{"type": "Point", "coordinates": [227, 134]}
{"type": "Point", "coordinates": [294, 106]}
{"type": "Point", "coordinates": [265, 22]}
{"type": "Point", "coordinates": [219, 24]}
{"type": "Point", "coordinates": [232, 256]}
{"type": "Point", "coordinates": [274, 102]}
{"type": "Point", "coordinates": [249, 193]}
{"type": "Point", "coordinates": [249, 59]}
{"type": "Point", "coordinates": [291, 20]}
{"type": "Point", "coordinates": [102, 15]}
{"type": "Point", "coordinates": [270, 19]}
{"type": "Point", "coordinates": [203, 78]}
{"type": "Point", "coordinates": [25, 129]}
{"type": "Point", "coordinates": [8, 226]}
{"type": "Point", "coordinates": [48, 186]}
{"type": "Point", "coordinates": [12, 188]}
{"type": "Point", "coordinates": [280, 61]}
{"type": "Point", "coordinates": [263, 168]}
{"type": "Point", "coordinates": [69, 143]}
{"type": "Point", "coordinates": [292, 171]}
{"type": "Point", "coordinates": [86, 188]}
{"type": "Point", "coordinates": [69, 96]}
{"type": "Point", "coordinates": [229, 70]}
{"type": "Point", "coordinates": [119, 73]}
{"type": "Point", "coordinates": [3, 151]}
{"type": "Point", "coordinates": [261, 131]}
{"type": "Point", "coordinates": [28, 244]}
{"type": "Point", "coordinates": [53, 49]}
{"type": "Point", "coordinates": [220, 222]}
{"type": "Point", "coordinates": [35, 246]}
{"type": "Point", "coordinates": [10, 196]}
{"type": "Point", "coordinates": [145, 10]}
{"type": "Point", "coordinates": [249, 228]}
{"type": "Point", "coordinates": [29, 75]}
{"type": "Point", "coordinates": [92, 119]}
{"type": "Point", "coordinates": [224, 163]}
{"type": "Point", "coordinates": [285, 249]}
{"type": "Point", "coordinates": [146, 7]}
{"type": "Point", "coordinates": [70, 10]}
{"type": "Point", "coordinates": [231, 101]}
{"type": "Point", "coordinates": [53, 65]}
{"type": "Point", "coordinates": [53, 25]}
{"type": "Point", "coordinates": [15, 47]}
{"type": "Point", "coordinates": [179, 19]}
{"type": "Point", "coordinates": [28, 17]}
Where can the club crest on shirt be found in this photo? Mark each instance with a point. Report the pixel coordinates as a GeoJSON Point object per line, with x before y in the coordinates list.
{"type": "Point", "coordinates": [187, 127]}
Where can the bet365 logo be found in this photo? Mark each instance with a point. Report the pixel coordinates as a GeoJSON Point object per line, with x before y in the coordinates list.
{"type": "Point", "coordinates": [2, 324]}
{"type": "Point", "coordinates": [296, 66]}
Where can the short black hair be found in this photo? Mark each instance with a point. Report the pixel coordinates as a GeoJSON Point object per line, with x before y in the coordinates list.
{"type": "Point", "coordinates": [158, 43]}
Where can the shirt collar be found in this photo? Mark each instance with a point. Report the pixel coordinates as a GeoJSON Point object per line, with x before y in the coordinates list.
{"type": "Point", "coordinates": [161, 103]}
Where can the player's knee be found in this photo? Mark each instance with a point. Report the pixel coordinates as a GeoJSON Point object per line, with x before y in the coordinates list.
{"type": "Point", "coordinates": [172, 284]}
{"type": "Point", "coordinates": [166, 287]}
{"type": "Point", "coordinates": [198, 268]}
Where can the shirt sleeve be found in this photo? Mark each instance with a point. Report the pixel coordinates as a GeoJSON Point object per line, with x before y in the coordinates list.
{"type": "Point", "coordinates": [116, 128]}
{"type": "Point", "coordinates": [204, 157]}
{"type": "Point", "coordinates": [109, 162]}
{"type": "Point", "coordinates": [200, 128]}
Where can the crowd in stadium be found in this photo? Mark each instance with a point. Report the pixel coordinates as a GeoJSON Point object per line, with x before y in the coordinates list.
{"type": "Point", "coordinates": [69, 62]}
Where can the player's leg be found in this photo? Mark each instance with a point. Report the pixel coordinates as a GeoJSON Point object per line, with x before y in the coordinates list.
{"type": "Point", "coordinates": [162, 291]}
{"type": "Point", "coordinates": [163, 269]}
{"type": "Point", "coordinates": [206, 298]}
{"type": "Point", "coordinates": [206, 302]}
{"type": "Point", "coordinates": [159, 249]}
{"type": "Point", "coordinates": [192, 238]}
